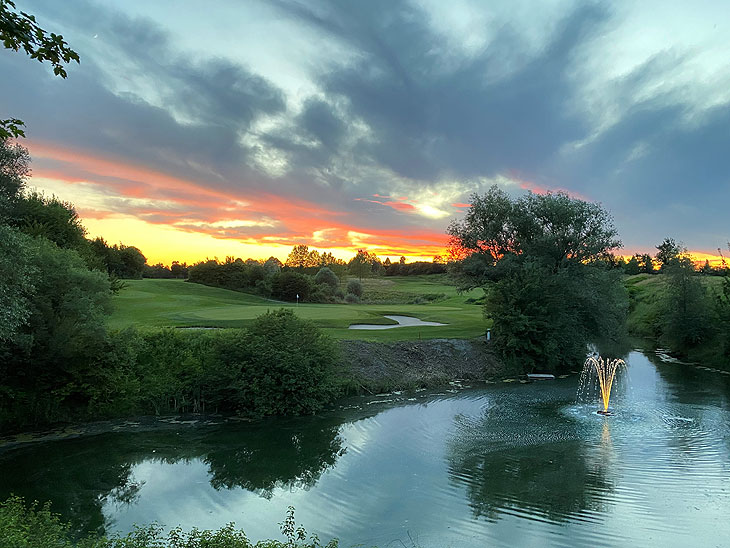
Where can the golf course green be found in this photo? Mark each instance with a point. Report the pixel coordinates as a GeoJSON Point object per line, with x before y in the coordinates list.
{"type": "Point", "coordinates": [152, 303]}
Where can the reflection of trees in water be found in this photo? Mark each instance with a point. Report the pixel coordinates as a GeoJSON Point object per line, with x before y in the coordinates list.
{"type": "Point", "coordinates": [704, 397]}
{"type": "Point", "coordinates": [689, 384]}
{"type": "Point", "coordinates": [273, 458]}
{"type": "Point", "coordinates": [80, 476]}
{"type": "Point", "coordinates": [521, 468]}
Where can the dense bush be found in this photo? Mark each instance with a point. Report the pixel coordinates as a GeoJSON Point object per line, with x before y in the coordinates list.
{"type": "Point", "coordinates": [354, 287]}
{"type": "Point", "coordinates": [37, 527]}
{"type": "Point", "coordinates": [286, 285]}
{"type": "Point", "coordinates": [281, 365]}
{"type": "Point", "coordinates": [326, 277]}
{"type": "Point", "coordinates": [49, 362]}
{"type": "Point", "coordinates": [32, 527]}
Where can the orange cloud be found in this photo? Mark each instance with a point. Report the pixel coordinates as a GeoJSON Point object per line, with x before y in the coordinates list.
{"type": "Point", "coordinates": [110, 195]}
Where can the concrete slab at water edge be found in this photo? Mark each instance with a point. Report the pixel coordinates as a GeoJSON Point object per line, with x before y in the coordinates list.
{"type": "Point", "coordinates": [403, 321]}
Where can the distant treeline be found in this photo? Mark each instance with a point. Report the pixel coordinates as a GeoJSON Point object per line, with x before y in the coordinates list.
{"type": "Point", "coordinates": [306, 276]}
{"type": "Point", "coordinates": [232, 273]}
{"type": "Point", "coordinates": [417, 268]}
{"type": "Point", "coordinates": [272, 279]}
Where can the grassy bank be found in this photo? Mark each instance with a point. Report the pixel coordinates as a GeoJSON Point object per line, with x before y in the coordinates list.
{"type": "Point", "coordinates": [689, 320]}
{"type": "Point", "coordinates": [175, 303]}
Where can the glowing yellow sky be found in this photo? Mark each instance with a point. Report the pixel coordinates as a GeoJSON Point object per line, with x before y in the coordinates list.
{"type": "Point", "coordinates": [164, 243]}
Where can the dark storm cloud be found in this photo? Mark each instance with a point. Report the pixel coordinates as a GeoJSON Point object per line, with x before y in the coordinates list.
{"type": "Point", "coordinates": [79, 112]}
{"type": "Point", "coordinates": [319, 120]}
{"type": "Point", "coordinates": [430, 119]}
{"type": "Point", "coordinates": [677, 182]}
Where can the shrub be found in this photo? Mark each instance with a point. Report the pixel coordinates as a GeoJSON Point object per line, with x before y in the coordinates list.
{"type": "Point", "coordinates": [354, 287]}
{"type": "Point", "coordinates": [321, 294]}
{"type": "Point", "coordinates": [32, 527]}
{"type": "Point", "coordinates": [282, 365]}
{"type": "Point", "coordinates": [37, 527]}
{"type": "Point", "coordinates": [326, 277]}
{"type": "Point", "coordinates": [288, 284]}
{"type": "Point", "coordinates": [351, 298]}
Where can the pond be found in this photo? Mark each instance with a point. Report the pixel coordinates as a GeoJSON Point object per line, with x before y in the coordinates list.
{"type": "Point", "coordinates": [507, 464]}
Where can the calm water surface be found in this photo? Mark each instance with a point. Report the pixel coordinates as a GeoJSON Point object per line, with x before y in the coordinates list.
{"type": "Point", "coordinates": [503, 465]}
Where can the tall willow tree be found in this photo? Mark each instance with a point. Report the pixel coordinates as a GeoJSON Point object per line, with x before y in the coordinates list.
{"type": "Point", "coordinates": [541, 261]}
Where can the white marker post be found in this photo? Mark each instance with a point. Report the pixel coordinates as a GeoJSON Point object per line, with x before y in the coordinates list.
{"type": "Point", "coordinates": [297, 299]}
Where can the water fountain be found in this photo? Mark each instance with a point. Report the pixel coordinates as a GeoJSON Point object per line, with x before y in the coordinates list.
{"type": "Point", "coordinates": [603, 372]}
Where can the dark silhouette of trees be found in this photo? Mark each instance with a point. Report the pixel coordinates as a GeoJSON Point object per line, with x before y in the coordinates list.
{"type": "Point", "coordinates": [668, 252]}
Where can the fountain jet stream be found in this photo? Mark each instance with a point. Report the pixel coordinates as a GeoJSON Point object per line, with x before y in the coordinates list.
{"type": "Point", "coordinates": [606, 373]}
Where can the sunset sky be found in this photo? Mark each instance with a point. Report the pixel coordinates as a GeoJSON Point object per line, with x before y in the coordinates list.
{"type": "Point", "coordinates": [202, 129]}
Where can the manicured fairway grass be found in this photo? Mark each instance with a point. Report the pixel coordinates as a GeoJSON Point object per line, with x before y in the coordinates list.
{"type": "Point", "coordinates": [175, 303]}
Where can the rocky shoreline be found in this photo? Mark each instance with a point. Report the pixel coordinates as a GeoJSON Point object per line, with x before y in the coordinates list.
{"type": "Point", "coordinates": [377, 367]}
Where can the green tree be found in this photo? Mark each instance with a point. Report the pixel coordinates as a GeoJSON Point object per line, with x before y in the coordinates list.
{"type": "Point", "coordinates": [16, 285]}
{"type": "Point", "coordinates": [49, 217]}
{"type": "Point", "coordinates": [14, 172]}
{"type": "Point", "coordinates": [707, 269]}
{"type": "Point", "coordinates": [542, 261]}
{"type": "Point", "coordinates": [298, 257]}
{"type": "Point", "coordinates": [132, 261]}
{"type": "Point", "coordinates": [50, 360]}
{"type": "Point", "coordinates": [360, 265]}
{"type": "Point", "coordinates": [645, 264]}
{"type": "Point", "coordinates": [632, 266]}
{"type": "Point", "coordinates": [722, 307]}
{"type": "Point", "coordinates": [668, 252]}
{"type": "Point", "coordinates": [179, 270]}
{"type": "Point", "coordinates": [287, 285]}
{"type": "Point", "coordinates": [19, 30]}
{"type": "Point", "coordinates": [326, 277]}
{"type": "Point", "coordinates": [327, 259]}
{"type": "Point", "coordinates": [272, 265]}
{"type": "Point", "coordinates": [687, 318]}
